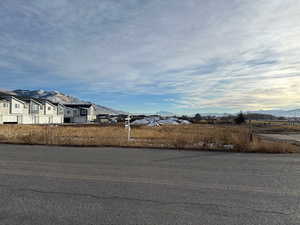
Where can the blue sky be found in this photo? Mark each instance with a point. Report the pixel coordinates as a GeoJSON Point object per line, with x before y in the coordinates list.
{"type": "Point", "coordinates": [151, 55]}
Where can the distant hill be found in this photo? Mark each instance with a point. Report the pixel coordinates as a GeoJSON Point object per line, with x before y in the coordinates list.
{"type": "Point", "coordinates": [58, 97]}
{"type": "Point", "coordinates": [3, 91]}
{"type": "Point", "coordinates": [165, 113]}
{"type": "Point", "coordinates": [279, 113]}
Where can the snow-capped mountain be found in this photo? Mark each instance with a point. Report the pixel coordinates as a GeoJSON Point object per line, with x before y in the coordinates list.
{"type": "Point", "coordinates": [58, 97]}
{"type": "Point", "coordinates": [54, 96]}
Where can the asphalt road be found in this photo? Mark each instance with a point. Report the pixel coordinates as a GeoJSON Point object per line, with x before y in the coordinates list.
{"type": "Point", "coordinates": [91, 186]}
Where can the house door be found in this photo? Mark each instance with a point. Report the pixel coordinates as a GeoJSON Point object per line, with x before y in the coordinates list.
{"type": "Point", "coordinates": [36, 120]}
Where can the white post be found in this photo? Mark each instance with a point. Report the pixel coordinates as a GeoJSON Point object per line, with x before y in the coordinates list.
{"type": "Point", "coordinates": [127, 125]}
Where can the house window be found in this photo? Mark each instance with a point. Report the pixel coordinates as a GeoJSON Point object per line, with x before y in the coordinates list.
{"type": "Point", "coordinates": [35, 107]}
{"type": "Point", "coordinates": [17, 106]}
{"type": "Point", "coordinates": [68, 112]}
{"type": "Point", "coordinates": [49, 108]}
{"type": "Point", "coordinates": [60, 110]}
{"type": "Point", "coordinates": [83, 112]}
{"type": "Point", "coordinates": [4, 105]}
{"type": "Point", "coordinates": [41, 107]}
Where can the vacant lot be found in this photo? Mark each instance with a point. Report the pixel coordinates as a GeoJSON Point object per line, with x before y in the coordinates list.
{"type": "Point", "coordinates": [196, 137]}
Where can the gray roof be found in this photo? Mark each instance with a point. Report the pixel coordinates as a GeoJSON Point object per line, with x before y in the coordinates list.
{"type": "Point", "coordinates": [78, 105]}
{"type": "Point", "coordinates": [5, 96]}
{"type": "Point", "coordinates": [27, 99]}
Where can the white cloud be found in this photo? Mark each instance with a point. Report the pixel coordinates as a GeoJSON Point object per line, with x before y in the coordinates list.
{"type": "Point", "coordinates": [229, 54]}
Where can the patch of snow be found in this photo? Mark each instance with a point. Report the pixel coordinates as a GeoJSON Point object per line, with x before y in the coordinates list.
{"type": "Point", "coordinates": [156, 121]}
{"type": "Point", "coordinates": [153, 124]}
{"type": "Point", "coordinates": [56, 92]}
{"type": "Point", "coordinates": [170, 121]}
{"type": "Point", "coordinates": [140, 122]}
{"type": "Point", "coordinates": [184, 122]}
{"type": "Point", "coordinates": [40, 92]}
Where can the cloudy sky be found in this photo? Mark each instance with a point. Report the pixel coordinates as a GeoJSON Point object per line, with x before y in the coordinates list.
{"type": "Point", "coordinates": [149, 55]}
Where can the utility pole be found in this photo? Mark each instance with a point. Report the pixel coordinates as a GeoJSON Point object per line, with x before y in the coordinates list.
{"type": "Point", "coordinates": [127, 126]}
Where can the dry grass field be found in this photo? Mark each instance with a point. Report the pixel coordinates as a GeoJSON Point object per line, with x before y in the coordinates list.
{"type": "Point", "coordinates": [277, 128]}
{"type": "Point", "coordinates": [196, 137]}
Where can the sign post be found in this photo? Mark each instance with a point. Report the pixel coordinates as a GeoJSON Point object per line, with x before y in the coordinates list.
{"type": "Point", "coordinates": [250, 131]}
{"type": "Point", "coordinates": [127, 125]}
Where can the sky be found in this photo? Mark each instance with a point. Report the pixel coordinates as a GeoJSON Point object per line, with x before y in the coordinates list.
{"type": "Point", "coordinates": [150, 55]}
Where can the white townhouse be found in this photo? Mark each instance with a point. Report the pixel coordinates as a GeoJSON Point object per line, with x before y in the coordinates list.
{"type": "Point", "coordinates": [50, 112]}
{"type": "Point", "coordinates": [12, 110]}
{"type": "Point", "coordinates": [79, 113]}
{"type": "Point", "coordinates": [20, 110]}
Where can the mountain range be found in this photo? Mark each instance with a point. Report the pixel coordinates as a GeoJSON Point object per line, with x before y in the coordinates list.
{"type": "Point", "coordinates": [279, 113]}
{"type": "Point", "coordinates": [165, 113]}
{"type": "Point", "coordinates": [58, 97]}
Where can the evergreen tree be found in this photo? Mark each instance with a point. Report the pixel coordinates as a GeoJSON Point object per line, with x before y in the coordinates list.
{"type": "Point", "coordinates": [198, 117]}
{"type": "Point", "coordinates": [240, 119]}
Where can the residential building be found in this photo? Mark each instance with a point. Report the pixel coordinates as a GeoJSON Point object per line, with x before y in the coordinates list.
{"type": "Point", "coordinates": [21, 110]}
{"type": "Point", "coordinates": [79, 113]}
{"type": "Point", "coordinates": [12, 110]}
{"type": "Point", "coordinates": [26, 110]}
